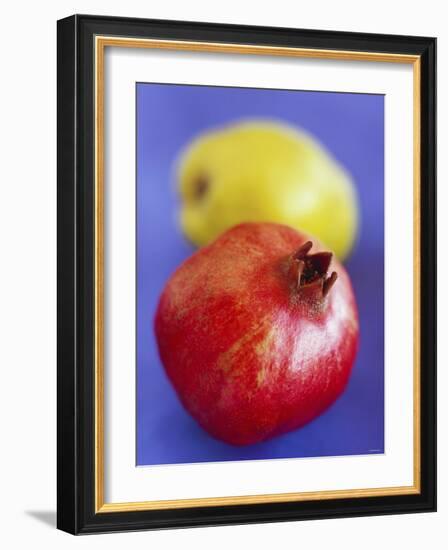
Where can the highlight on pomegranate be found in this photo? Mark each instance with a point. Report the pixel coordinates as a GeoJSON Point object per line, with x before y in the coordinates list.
{"type": "Point", "coordinates": [260, 274]}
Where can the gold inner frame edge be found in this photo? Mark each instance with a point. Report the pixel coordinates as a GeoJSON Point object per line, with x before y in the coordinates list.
{"type": "Point", "coordinates": [101, 42]}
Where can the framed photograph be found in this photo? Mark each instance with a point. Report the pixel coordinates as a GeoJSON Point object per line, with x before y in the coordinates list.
{"type": "Point", "coordinates": [246, 274]}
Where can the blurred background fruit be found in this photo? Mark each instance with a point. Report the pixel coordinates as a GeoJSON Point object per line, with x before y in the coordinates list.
{"type": "Point", "coordinates": [264, 171]}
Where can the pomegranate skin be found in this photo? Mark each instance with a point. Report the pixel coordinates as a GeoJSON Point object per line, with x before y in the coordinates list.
{"type": "Point", "coordinates": [250, 352]}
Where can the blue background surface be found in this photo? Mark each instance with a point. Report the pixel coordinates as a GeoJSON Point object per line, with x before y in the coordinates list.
{"type": "Point", "coordinates": [351, 126]}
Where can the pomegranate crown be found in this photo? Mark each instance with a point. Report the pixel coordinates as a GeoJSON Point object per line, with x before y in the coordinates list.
{"type": "Point", "coordinates": [310, 271]}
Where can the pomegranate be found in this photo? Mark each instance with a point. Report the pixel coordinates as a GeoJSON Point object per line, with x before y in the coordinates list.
{"type": "Point", "coordinates": [258, 332]}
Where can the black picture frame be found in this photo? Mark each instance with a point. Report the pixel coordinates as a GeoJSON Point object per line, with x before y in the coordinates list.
{"type": "Point", "coordinates": [76, 225]}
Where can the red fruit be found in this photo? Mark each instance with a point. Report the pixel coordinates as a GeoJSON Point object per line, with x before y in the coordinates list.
{"type": "Point", "coordinates": [255, 335]}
